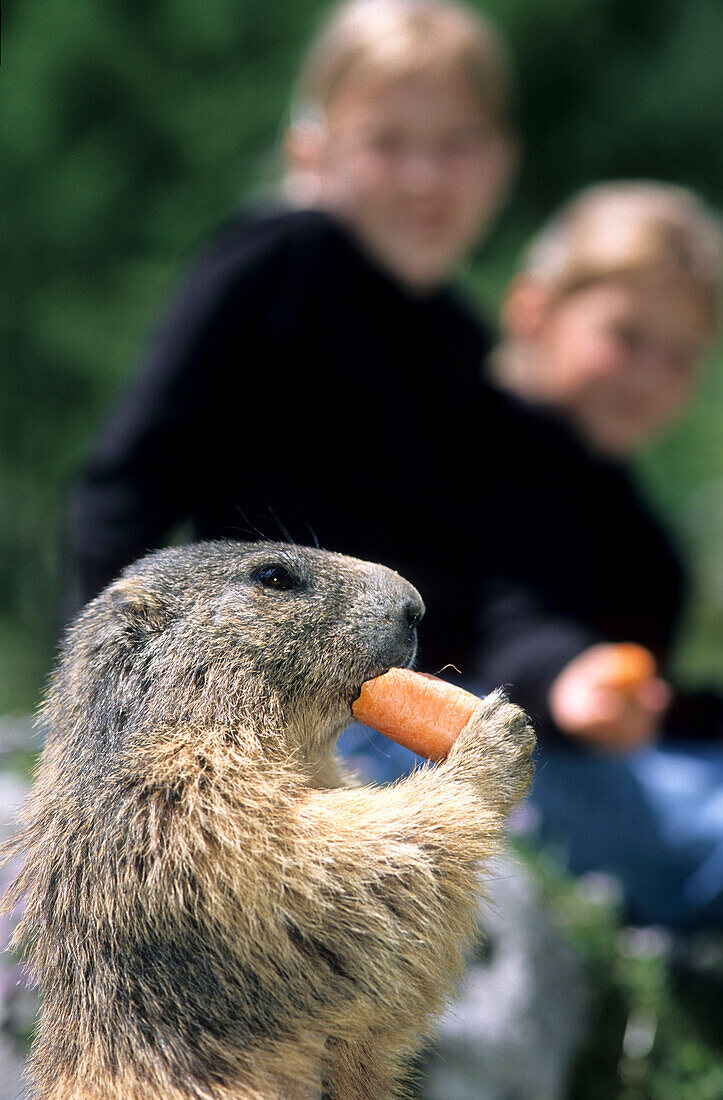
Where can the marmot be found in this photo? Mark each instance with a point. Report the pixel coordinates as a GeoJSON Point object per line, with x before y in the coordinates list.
{"type": "Point", "coordinates": [211, 913]}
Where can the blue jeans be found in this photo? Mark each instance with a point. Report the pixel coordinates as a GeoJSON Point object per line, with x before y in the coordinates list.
{"type": "Point", "coordinates": [373, 757]}
{"type": "Point", "coordinates": [653, 819]}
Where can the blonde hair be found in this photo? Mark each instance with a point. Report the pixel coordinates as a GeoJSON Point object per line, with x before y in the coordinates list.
{"type": "Point", "coordinates": [624, 229]}
{"type": "Point", "coordinates": [381, 40]}
{"type": "Point", "coordinates": [620, 230]}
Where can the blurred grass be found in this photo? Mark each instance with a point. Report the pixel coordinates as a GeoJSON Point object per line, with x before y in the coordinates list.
{"type": "Point", "coordinates": [655, 1031]}
{"type": "Point", "coordinates": [684, 477]}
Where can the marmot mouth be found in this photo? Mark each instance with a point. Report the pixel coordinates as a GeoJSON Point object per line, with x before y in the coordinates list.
{"type": "Point", "coordinates": [378, 670]}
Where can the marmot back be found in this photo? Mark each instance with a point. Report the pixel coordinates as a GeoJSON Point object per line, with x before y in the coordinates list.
{"type": "Point", "coordinates": [210, 912]}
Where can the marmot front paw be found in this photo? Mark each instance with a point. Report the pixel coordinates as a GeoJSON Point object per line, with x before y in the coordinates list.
{"type": "Point", "coordinates": [494, 751]}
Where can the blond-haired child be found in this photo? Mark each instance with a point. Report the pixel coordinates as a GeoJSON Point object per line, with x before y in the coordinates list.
{"type": "Point", "coordinates": [606, 327]}
{"type": "Point", "coordinates": [298, 374]}
{"type": "Point", "coordinates": [616, 302]}
{"type": "Point", "coordinates": [400, 127]}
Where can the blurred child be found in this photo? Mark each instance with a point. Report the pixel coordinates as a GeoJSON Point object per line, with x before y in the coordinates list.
{"type": "Point", "coordinates": [606, 327]}
{"type": "Point", "coordinates": [318, 378]}
{"type": "Point", "coordinates": [400, 128]}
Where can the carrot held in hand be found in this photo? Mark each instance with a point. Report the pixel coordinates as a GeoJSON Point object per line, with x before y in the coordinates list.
{"type": "Point", "coordinates": [418, 711]}
{"type": "Point", "coordinates": [626, 665]}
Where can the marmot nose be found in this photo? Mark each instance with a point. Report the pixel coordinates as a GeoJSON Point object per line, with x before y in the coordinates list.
{"type": "Point", "coordinates": [414, 611]}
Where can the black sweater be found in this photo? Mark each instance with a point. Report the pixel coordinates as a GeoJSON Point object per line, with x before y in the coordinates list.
{"type": "Point", "coordinates": [593, 565]}
{"type": "Point", "coordinates": [296, 388]}
{"type": "Point", "coordinates": [293, 381]}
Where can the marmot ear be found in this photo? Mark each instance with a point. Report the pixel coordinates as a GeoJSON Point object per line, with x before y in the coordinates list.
{"type": "Point", "coordinates": [137, 607]}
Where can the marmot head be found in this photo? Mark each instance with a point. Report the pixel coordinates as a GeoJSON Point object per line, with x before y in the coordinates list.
{"type": "Point", "coordinates": [267, 638]}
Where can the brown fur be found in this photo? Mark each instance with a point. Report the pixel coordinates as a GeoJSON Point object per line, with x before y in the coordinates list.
{"type": "Point", "coordinates": [210, 911]}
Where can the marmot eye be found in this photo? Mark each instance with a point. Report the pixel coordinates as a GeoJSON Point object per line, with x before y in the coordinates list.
{"type": "Point", "coordinates": [275, 576]}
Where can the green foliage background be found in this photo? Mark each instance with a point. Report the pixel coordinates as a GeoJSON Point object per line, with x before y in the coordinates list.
{"type": "Point", "coordinates": [128, 128]}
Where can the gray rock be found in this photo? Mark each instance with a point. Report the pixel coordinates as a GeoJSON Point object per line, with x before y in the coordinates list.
{"type": "Point", "coordinates": [18, 1001]}
{"type": "Point", "coordinates": [520, 1014]}
{"type": "Point", "coordinates": [18, 732]}
{"type": "Point", "coordinates": [12, 1065]}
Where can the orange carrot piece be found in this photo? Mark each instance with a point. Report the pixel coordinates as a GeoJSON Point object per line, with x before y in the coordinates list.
{"type": "Point", "coordinates": [629, 665]}
{"type": "Point", "coordinates": [421, 712]}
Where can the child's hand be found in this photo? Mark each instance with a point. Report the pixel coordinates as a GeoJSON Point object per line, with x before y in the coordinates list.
{"type": "Point", "coordinates": [591, 701]}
